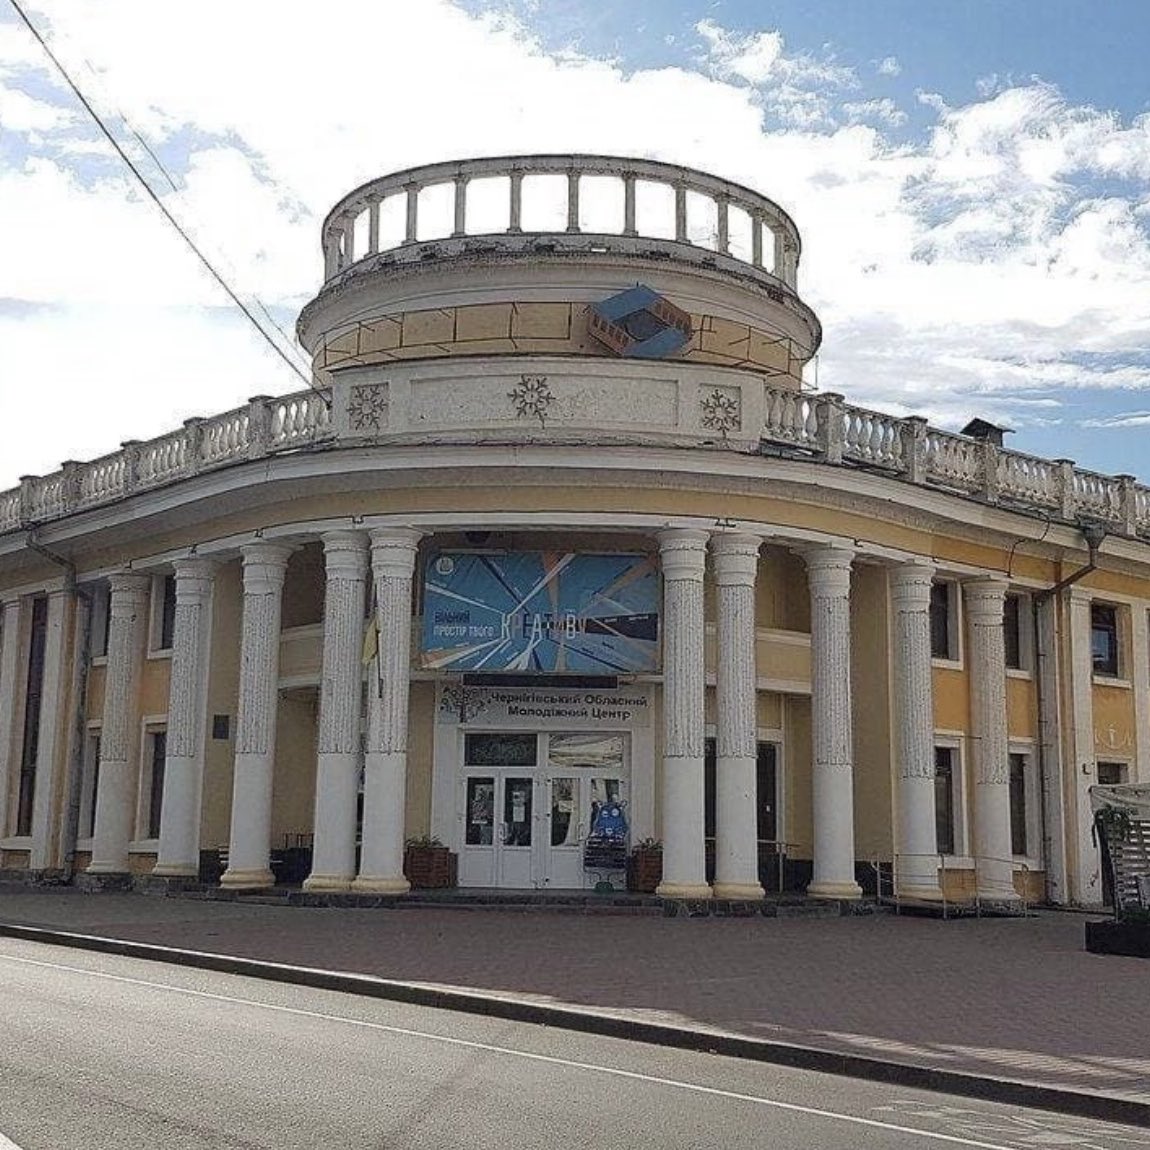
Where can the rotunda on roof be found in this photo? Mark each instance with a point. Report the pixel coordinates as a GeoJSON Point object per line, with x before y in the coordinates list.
{"type": "Point", "coordinates": [558, 559]}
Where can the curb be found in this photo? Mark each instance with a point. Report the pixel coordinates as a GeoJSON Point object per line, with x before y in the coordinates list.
{"type": "Point", "coordinates": [1073, 1102]}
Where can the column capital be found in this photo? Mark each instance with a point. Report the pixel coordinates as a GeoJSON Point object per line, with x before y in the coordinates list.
{"type": "Point", "coordinates": [393, 551]}
{"type": "Point", "coordinates": [910, 584]}
{"type": "Point", "coordinates": [683, 553]}
{"type": "Point", "coordinates": [345, 553]}
{"type": "Point", "coordinates": [984, 598]}
{"type": "Point", "coordinates": [829, 570]}
{"type": "Point", "coordinates": [128, 585]}
{"type": "Point", "coordinates": [265, 565]}
{"type": "Point", "coordinates": [736, 558]}
{"type": "Point", "coordinates": [192, 568]}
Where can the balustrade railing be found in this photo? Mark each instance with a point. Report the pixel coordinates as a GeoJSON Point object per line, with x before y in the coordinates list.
{"type": "Point", "coordinates": [588, 195]}
{"type": "Point", "coordinates": [819, 426]}
{"type": "Point", "coordinates": [263, 427]}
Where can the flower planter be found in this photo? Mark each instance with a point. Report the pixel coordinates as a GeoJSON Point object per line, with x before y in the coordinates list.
{"type": "Point", "coordinates": [430, 867]}
{"type": "Point", "coordinates": [644, 871]}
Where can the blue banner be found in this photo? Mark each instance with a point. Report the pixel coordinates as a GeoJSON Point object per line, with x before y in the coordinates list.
{"type": "Point", "coordinates": [545, 611]}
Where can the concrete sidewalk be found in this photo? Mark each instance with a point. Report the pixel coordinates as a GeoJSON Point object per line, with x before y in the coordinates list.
{"type": "Point", "coordinates": [1004, 998]}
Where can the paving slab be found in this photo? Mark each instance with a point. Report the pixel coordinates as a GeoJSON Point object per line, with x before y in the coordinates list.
{"type": "Point", "coordinates": [1013, 998]}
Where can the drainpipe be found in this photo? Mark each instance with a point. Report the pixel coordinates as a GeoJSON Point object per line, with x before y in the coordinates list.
{"type": "Point", "coordinates": [81, 662]}
{"type": "Point", "coordinates": [1094, 534]}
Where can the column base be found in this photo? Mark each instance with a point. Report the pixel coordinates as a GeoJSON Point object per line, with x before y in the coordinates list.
{"type": "Point", "coordinates": [684, 890]}
{"type": "Point", "coordinates": [327, 882]}
{"type": "Point", "coordinates": [838, 890]}
{"type": "Point", "coordinates": [93, 881]}
{"type": "Point", "coordinates": [739, 890]}
{"type": "Point", "coordinates": [175, 870]}
{"type": "Point", "coordinates": [377, 884]}
{"type": "Point", "coordinates": [924, 892]}
{"type": "Point", "coordinates": [247, 879]}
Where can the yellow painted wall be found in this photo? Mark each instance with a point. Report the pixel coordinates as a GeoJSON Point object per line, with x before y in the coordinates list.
{"type": "Point", "coordinates": [870, 688]}
{"type": "Point", "coordinates": [420, 732]}
{"type": "Point", "coordinates": [797, 773]}
{"type": "Point", "coordinates": [951, 699]}
{"type": "Point", "coordinates": [1021, 708]}
{"type": "Point", "coordinates": [304, 587]}
{"type": "Point", "coordinates": [97, 678]}
{"type": "Point", "coordinates": [1113, 721]}
{"type": "Point", "coordinates": [769, 711]}
{"type": "Point", "coordinates": [223, 688]}
{"type": "Point", "coordinates": [293, 781]}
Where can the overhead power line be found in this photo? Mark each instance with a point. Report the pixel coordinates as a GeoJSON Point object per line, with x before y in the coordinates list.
{"type": "Point", "coordinates": [142, 181]}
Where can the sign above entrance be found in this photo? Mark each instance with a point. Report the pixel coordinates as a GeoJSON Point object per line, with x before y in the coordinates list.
{"type": "Point", "coordinates": [545, 612]}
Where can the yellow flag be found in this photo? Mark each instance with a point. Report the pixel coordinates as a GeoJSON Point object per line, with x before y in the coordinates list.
{"type": "Point", "coordinates": [371, 641]}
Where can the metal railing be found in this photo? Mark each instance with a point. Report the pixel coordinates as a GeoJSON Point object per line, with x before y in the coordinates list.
{"type": "Point", "coordinates": [988, 884]}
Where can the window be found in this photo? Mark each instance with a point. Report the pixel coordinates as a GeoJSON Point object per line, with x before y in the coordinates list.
{"type": "Point", "coordinates": [98, 643]}
{"type": "Point", "coordinates": [766, 790]}
{"type": "Point", "coordinates": [1018, 625]}
{"type": "Point", "coordinates": [1111, 774]}
{"type": "Point", "coordinates": [944, 804]}
{"type": "Point", "coordinates": [167, 619]}
{"type": "Point", "coordinates": [1019, 841]}
{"type": "Point", "coordinates": [33, 699]}
{"type": "Point", "coordinates": [943, 625]}
{"type": "Point", "coordinates": [1104, 638]}
{"type": "Point", "coordinates": [89, 785]}
{"type": "Point", "coordinates": [157, 749]}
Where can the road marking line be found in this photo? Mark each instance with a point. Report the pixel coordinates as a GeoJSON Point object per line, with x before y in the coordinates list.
{"type": "Point", "coordinates": [469, 1044]}
{"type": "Point", "coordinates": [7, 1144]}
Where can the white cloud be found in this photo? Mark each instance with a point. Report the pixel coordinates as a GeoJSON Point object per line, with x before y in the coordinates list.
{"type": "Point", "coordinates": [888, 66]}
{"type": "Point", "coordinates": [983, 269]}
{"type": "Point", "coordinates": [883, 110]}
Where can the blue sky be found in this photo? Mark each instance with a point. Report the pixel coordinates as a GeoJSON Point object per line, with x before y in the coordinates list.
{"type": "Point", "coordinates": [972, 181]}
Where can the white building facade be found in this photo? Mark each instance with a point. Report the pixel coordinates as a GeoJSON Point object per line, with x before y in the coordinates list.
{"type": "Point", "coordinates": [557, 531]}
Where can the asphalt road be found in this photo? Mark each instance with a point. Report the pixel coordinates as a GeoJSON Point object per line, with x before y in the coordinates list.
{"type": "Point", "coordinates": [98, 1051]}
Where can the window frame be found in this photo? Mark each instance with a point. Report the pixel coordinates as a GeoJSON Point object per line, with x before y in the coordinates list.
{"type": "Point", "coordinates": [955, 743]}
{"type": "Point", "coordinates": [150, 725]}
{"type": "Point", "coordinates": [101, 600]}
{"type": "Point", "coordinates": [1032, 800]}
{"type": "Point", "coordinates": [89, 781]}
{"type": "Point", "coordinates": [159, 616]}
{"type": "Point", "coordinates": [1025, 640]}
{"type": "Point", "coordinates": [1115, 630]}
{"type": "Point", "coordinates": [954, 644]}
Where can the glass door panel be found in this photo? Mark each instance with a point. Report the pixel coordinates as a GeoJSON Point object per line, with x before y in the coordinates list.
{"type": "Point", "coordinates": [477, 857]}
{"type": "Point", "coordinates": [515, 854]}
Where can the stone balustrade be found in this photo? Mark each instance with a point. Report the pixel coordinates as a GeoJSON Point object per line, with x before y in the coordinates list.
{"type": "Point", "coordinates": [821, 427]}
{"type": "Point", "coordinates": [597, 196]}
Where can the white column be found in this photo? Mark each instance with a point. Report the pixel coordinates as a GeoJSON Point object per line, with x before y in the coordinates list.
{"type": "Point", "coordinates": [393, 552]}
{"type": "Point", "coordinates": [683, 557]}
{"type": "Point", "coordinates": [10, 638]}
{"type": "Point", "coordinates": [736, 559]}
{"type": "Point", "coordinates": [829, 575]}
{"type": "Point", "coordinates": [187, 720]}
{"type": "Point", "coordinates": [340, 703]}
{"type": "Point", "coordinates": [58, 651]}
{"type": "Point", "coordinates": [265, 565]}
{"type": "Point", "coordinates": [916, 847]}
{"type": "Point", "coordinates": [119, 733]}
{"type": "Point", "coordinates": [984, 600]}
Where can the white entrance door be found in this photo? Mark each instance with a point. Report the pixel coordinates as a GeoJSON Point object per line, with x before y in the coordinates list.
{"type": "Point", "coordinates": [499, 829]}
{"type": "Point", "coordinates": [586, 773]}
{"type": "Point", "coordinates": [529, 802]}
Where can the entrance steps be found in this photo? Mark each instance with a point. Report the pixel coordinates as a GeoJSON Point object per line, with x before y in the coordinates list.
{"type": "Point", "coordinates": [547, 902]}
